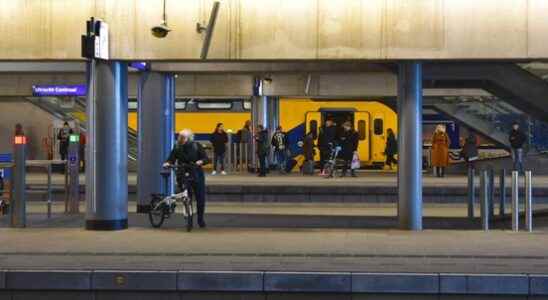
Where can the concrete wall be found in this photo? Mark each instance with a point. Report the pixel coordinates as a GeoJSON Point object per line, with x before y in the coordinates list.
{"type": "Point", "coordinates": [283, 29]}
{"type": "Point", "coordinates": [35, 123]}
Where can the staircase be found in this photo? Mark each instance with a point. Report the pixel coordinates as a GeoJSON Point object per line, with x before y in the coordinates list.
{"type": "Point", "coordinates": [75, 109]}
{"type": "Point", "coordinates": [493, 119]}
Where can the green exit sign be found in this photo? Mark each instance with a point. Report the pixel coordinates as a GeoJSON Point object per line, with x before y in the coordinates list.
{"type": "Point", "coordinates": [74, 138]}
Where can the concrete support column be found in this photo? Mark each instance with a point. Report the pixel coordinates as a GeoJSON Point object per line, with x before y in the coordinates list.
{"type": "Point", "coordinates": [156, 105]}
{"type": "Point", "coordinates": [410, 145]}
{"type": "Point", "coordinates": [259, 116]}
{"type": "Point", "coordinates": [106, 153]}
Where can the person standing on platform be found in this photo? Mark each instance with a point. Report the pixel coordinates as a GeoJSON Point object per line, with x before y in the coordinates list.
{"type": "Point", "coordinates": [218, 139]}
{"type": "Point", "coordinates": [440, 151]}
{"type": "Point", "coordinates": [191, 157]}
{"type": "Point", "coordinates": [348, 140]}
{"type": "Point", "coordinates": [391, 148]}
{"type": "Point", "coordinates": [63, 137]}
{"type": "Point", "coordinates": [263, 148]}
{"type": "Point", "coordinates": [280, 144]}
{"type": "Point", "coordinates": [244, 137]}
{"type": "Point", "coordinates": [517, 139]}
{"type": "Point", "coordinates": [470, 151]}
{"type": "Point", "coordinates": [326, 140]}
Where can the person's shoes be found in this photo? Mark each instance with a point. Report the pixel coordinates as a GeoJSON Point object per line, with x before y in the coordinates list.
{"type": "Point", "coordinates": [223, 173]}
{"type": "Point", "coordinates": [342, 175]}
{"type": "Point", "coordinates": [214, 173]}
{"type": "Point", "coordinates": [262, 175]}
{"type": "Point", "coordinates": [202, 224]}
{"type": "Point", "coordinates": [353, 175]}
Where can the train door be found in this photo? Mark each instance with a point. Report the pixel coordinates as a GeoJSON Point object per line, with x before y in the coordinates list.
{"type": "Point", "coordinates": [313, 121]}
{"type": "Point", "coordinates": [361, 124]}
{"type": "Point", "coordinates": [378, 137]}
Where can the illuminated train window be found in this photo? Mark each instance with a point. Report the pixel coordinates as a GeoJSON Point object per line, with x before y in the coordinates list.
{"type": "Point", "coordinates": [215, 105]}
{"type": "Point", "coordinates": [378, 126]}
{"type": "Point", "coordinates": [361, 130]}
{"type": "Point", "coordinates": [247, 105]}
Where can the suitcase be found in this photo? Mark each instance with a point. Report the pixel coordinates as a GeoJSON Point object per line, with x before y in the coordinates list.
{"type": "Point", "coordinates": [308, 167]}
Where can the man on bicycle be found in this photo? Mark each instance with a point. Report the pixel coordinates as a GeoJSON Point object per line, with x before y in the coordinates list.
{"type": "Point", "coordinates": [188, 152]}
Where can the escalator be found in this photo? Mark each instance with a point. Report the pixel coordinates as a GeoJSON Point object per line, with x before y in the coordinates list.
{"type": "Point", "coordinates": [75, 109]}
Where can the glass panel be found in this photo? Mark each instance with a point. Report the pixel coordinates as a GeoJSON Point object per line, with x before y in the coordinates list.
{"type": "Point", "coordinates": [180, 105]}
{"type": "Point", "coordinates": [378, 125]}
{"type": "Point", "coordinates": [247, 105]}
{"type": "Point", "coordinates": [361, 130]}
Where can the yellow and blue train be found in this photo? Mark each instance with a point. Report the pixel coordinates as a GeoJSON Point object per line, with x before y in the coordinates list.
{"type": "Point", "coordinates": [371, 119]}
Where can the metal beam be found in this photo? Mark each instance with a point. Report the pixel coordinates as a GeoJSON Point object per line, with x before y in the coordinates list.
{"type": "Point", "coordinates": [266, 67]}
{"type": "Point", "coordinates": [42, 66]}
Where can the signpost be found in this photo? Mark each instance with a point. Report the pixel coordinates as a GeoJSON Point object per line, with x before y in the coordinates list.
{"type": "Point", "coordinates": [74, 174]}
{"type": "Point", "coordinates": [75, 90]}
{"type": "Point", "coordinates": [18, 207]}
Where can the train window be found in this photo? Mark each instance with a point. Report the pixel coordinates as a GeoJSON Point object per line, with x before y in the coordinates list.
{"type": "Point", "coordinates": [214, 105]}
{"type": "Point", "coordinates": [313, 124]}
{"type": "Point", "coordinates": [180, 105]}
{"type": "Point", "coordinates": [362, 133]}
{"type": "Point", "coordinates": [132, 104]}
{"type": "Point", "coordinates": [378, 126]}
{"type": "Point", "coordinates": [247, 105]}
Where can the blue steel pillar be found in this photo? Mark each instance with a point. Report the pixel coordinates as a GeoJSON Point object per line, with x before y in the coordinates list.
{"type": "Point", "coordinates": [106, 153]}
{"type": "Point", "coordinates": [156, 102]}
{"type": "Point", "coordinates": [410, 145]}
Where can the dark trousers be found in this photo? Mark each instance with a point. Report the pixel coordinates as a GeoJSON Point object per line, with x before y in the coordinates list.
{"type": "Point", "coordinates": [198, 190]}
{"type": "Point", "coordinates": [440, 171]}
{"type": "Point", "coordinates": [391, 160]}
{"type": "Point", "coordinates": [347, 165]}
{"type": "Point", "coordinates": [324, 156]}
{"type": "Point", "coordinates": [219, 159]}
{"type": "Point", "coordinates": [63, 150]}
{"type": "Point", "coordinates": [262, 165]}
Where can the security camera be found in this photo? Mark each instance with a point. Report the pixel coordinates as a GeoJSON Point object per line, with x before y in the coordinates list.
{"type": "Point", "coordinates": [160, 31]}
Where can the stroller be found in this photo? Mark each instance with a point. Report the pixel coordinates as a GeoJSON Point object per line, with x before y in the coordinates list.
{"type": "Point", "coordinates": [331, 164]}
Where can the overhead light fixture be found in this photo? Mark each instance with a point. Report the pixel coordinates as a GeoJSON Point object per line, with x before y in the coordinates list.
{"type": "Point", "coordinates": [161, 30]}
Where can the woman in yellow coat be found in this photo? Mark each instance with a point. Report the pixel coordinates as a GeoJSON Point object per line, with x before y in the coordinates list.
{"type": "Point", "coordinates": [440, 151]}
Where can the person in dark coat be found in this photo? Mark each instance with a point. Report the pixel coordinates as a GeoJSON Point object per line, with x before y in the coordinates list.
{"type": "Point", "coordinates": [281, 146]}
{"type": "Point", "coordinates": [391, 148]}
{"type": "Point", "coordinates": [348, 140]}
{"type": "Point", "coordinates": [517, 139]}
{"type": "Point", "coordinates": [218, 139]}
{"type": "Point", "coordinates": [327, 137]}
{"type": "Point", "coordinates": [470, 149]}
{"type": "Point", "coordinates": [63, 137]}
{"type": "Point", "coordinates": [263, 148]}
{"type": "Point", "coordinates": [185, 152]}
{"type": "Point", "coordinates": [308, 147]}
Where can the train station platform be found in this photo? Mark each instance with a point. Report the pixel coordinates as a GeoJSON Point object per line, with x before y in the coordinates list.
{"type": "Point", "coordinates": [267, 256]}
{"type": "Point", "coordinates": [368, 187]}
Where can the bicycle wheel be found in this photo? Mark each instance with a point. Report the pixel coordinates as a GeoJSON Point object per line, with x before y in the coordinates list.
{"type": "Point", "coordinates": [188, 215]}
{"type": "Point", "coordinates": [156, 213]}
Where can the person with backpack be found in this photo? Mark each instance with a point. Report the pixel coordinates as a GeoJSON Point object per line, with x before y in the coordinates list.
{"type": "Point", "coordinates": [280, 144]}
{"type": "Point", "coordinates": [308, 153]}
{"type": "Point", "coordinates": [190, 156]}
{"type": "Point", "coordinates": [391, 148]}
{"type": "Point", "coordinates": [63, 137]}
{"type": "Point", "coordinates": [326, 139]}
{"type": "Point", "coordinates": [218, 139]}
{"type": "Point", "coordinates": [517, 139]}
{"type": "Point", "coordinates": [261, 138]}
{"type": "Point", "coordinates": [469, 150]}
{"type": "Point", "coordinates": [348, 140]}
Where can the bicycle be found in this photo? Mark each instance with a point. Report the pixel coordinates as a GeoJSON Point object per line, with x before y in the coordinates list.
{"type": "Point", "coordinates": [331, 164]}
{"type": "Point", "coordinates": [163, 206]}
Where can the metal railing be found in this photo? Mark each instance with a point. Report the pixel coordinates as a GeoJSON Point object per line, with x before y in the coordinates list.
{"type": "Point", "coordinates": [487, 197]}
{"type": "Point", "coordinates": [45, 191]}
